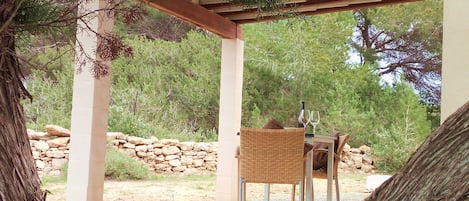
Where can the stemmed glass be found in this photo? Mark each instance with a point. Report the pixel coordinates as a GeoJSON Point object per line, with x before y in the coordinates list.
{"type": "Point", "coordinates": [313, 119]}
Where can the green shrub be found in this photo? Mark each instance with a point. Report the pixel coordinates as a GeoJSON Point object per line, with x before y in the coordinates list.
{"type": "Point", "coordinates": [51, 89]}
{"type": "Point", "coordinates": [118, 166]}
{"type": "Point", "coordinates": [200, 136]}
{"type": "Point", "coordinates": [121, 166]}
{"type": "Point", "coordinates": [393, 149]}
{"type": "Point", "coordinates": [257, 120]}
{"type": "Point", "coordinates": [124, 121]}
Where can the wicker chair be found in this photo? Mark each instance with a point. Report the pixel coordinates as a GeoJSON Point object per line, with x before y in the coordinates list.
{"type": "Point", "coordinates": [271, 156]}
{"type": "Point", "coordinates": [322, 173]}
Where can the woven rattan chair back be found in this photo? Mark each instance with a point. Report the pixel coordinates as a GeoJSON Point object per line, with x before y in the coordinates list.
{"type": "Point", "coordinates": [273, 156]}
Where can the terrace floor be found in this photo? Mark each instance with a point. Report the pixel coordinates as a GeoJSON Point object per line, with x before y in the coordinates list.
{"type": "Point", "coordinates": [202, 187]}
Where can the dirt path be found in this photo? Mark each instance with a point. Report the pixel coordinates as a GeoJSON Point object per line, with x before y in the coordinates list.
{"type": "Point", "coordinates": [202, 188]}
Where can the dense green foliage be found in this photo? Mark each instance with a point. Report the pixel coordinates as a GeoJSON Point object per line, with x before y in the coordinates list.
{"type": "Point", "coordinates": [171, 89]}
{"type": "Point", "coordinates": [118, 165]}
{"type": "Point", "coordinates": [121, 166]}
{"type": "Point", "coordinates": [51, 89]}
{"type": "Point", "coordinates": [169, 85]}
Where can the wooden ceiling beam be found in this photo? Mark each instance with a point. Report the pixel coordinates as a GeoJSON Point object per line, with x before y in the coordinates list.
{"type": "Point", "coordinates": [357, 6]}
{"type": "Point", "coordinates": [333, 4]}
{"type": "Point", "coordinates": [299, 8]}
{"type": "Point", "coordinates": [199, 16]}
{"type": "Point", "coordinates": [228, 7]}
{"type": "Point", "coordinates": [207, 2]}
{"type": "Point", "coordinates": [353, 6]}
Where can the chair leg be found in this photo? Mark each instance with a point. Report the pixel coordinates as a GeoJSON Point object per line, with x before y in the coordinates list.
{"type": "Point", "coordinates": [337, 192]}
{"type": "Point", "coordinates": [241, 195]}
{"type": "Point", "coordinates": [266, 192]}
{"type": "Point", "coordinates": [244, 194]}
{"type": "Point", "coordinates": [293, 192]}
{"type": "Point", "coordinates": [301, 186]}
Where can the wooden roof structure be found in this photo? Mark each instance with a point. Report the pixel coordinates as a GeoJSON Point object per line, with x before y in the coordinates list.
{"type": "Point", "coordinates": [91, 95]}
{"type": "Point", "coordinates": [222, 17]}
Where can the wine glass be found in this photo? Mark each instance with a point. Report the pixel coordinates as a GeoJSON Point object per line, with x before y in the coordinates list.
{"type": "Point", "coordinates": [313, 119]}
{"type": "Point", "coordinates": [302, 120]}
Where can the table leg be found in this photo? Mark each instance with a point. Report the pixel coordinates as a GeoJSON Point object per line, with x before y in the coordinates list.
{"type": "Point", "coordinates": [309, 191]}
{"type": "Point", "coordinates": [330, 164]}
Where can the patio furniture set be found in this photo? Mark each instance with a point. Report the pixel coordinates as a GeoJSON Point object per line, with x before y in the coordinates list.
{"type": "Point", "coordinates": [280, 156]}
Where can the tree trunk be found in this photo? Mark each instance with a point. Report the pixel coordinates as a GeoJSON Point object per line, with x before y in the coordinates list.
{"type": "Point", "coordinates": [438, 170]}
{"type": "Point", "coordinates": [19, 180]}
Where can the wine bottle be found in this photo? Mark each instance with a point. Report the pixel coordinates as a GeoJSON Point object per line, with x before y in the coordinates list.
{"type": "Point", "coordinates": [301, 115]}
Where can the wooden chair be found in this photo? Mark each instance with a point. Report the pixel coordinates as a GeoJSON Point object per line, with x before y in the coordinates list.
{"type": "Point", "coordinates": [322, 173]}
{"type": "Point", "coordinates": [271, 156]}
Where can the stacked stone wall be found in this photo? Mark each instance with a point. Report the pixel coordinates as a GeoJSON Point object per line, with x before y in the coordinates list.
{"type": "Point", "coordinates": [51, 150]}
{"type": "Point", "coordinates": [168, 155]}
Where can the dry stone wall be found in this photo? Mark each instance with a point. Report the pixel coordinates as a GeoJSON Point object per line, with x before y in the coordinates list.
{"type": "Point", "coordinates": [51, 150]}
{"type": "Point", "coordinates": [357, 160]}
{"type": "Point", "coordinates": [168, 155]}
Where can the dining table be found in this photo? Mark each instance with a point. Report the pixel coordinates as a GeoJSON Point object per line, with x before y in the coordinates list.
{"type": "Point", "coordinates": [329, 140]}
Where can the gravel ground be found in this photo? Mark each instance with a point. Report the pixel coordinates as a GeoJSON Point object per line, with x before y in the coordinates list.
{"type": "Point", "coordinates": [352, 188]}
{"type": "Point", "coordinates": [202, 188]}
{"type": "Point", "coordinates": [347, 196]}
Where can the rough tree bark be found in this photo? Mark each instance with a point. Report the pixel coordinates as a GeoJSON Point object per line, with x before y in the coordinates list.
{"type": "Point", "coordinates": [438, 170]}
{"type": "Point", "coordinates": [19, 180]}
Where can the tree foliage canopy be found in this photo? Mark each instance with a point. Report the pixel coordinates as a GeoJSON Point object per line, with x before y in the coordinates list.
{"type": "Point", "coordinates": [404, 40]}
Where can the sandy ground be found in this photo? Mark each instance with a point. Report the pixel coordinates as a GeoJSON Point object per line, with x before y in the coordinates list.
{"type": "Point", "coordinates": [202, 188]}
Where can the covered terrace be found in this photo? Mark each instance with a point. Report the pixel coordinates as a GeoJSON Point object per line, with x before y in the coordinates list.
{"type": "Point", "coordinates": [91, 96]}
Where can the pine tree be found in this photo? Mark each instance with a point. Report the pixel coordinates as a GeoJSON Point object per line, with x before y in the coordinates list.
{"type": "Point", "coordinates": [54, 20]}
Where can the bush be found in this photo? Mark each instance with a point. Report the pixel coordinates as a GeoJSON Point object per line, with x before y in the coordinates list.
{"type": "Point", "coordinates": [118, 165]}
{"type": "Point", "coordinates": [121, 166]}
{"type": "Point", "coordinates": [123, 121]}
{"type": "Point", "coordinates": [393, 149]}
{"type": "Point", "coordinates": [51, 89]}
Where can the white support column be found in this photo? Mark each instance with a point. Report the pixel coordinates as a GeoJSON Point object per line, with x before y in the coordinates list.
{"type": "Point", "coordinates": [455, 70]}
{"type": "Point", "coordinates": [231, 83]}
{"type": "Point", "coordinates": [89, 112]}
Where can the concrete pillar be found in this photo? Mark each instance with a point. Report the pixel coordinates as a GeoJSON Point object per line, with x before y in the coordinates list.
{"type": "Point", "coordinates": [231, 83]}
{"type": "Point", "coordinates": [89, 112]}
{"type": "Point", "coordinates": [455, 70]}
